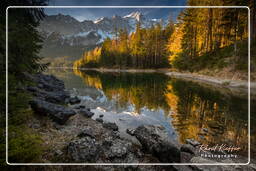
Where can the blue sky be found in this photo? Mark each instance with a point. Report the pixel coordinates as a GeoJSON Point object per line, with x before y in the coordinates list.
{"type": "Point", "coordinates": [94, 13]}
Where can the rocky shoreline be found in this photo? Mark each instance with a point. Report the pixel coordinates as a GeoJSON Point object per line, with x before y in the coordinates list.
{"type": "Point", "coordinates": [72, 136]}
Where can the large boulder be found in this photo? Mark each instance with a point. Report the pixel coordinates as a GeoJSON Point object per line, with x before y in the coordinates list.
{"type": "Point", "coordinates": [111, 126]}
{"type": "Point", "coordinates": [49, 88]}
{"type": "Point", "coordinates": [84, 150]}
{"type": "Point", "coordinates": [99, 120]}
{"type": "Point", "coordinates": [86, 113]}
{"type": "Point", "coordinates": [58, 113]}
{"type": "Point", "coordinates": [88, 131]}
{"type": "Point", "coordinates": [74, 100]}
{"type": "Point", "coordinates": [49, 82]}
{"type": "Point", "coordinates": [107, 148]}
{"type": "Point", "coordinates": [59, 97]}
{"type": "Point", "coordinates": [155, 141]}
{"type": "Point", "coordinates": [188, 148]}
{"type": "Point", "coordinates": [185, 157]}
{"type": "Point", "coordinates": [117, 149]}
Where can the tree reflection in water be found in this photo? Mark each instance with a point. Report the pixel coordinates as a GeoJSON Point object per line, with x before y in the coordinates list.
{"type": "Point", "coordinates": [191, 106]}
{"type": "Point", "coordinates": [224, 116]}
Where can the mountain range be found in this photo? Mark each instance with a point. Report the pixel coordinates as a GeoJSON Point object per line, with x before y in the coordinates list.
{"type": "Point", "coordinates": [65, 36]}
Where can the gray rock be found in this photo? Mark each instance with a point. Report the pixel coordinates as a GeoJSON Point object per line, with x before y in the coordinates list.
{"type": "Point", "coordinates": [84, 150]}
{"type": "Point", "coordinates": [156, 142]}
{"type": "Point", "coordinates": [117, 150]}
{"type": "Point", "coordinates": [115, 134]}
{"type": "Point", "coordinates": [111, 126]}
{"type": "Point", "coordinates": [76, 107]}
{"type": "Point", "coordinates": [50, 96]}
{"type": "Point", "coordinates": [49, 88]}
{"type": "Point", "coordinates": [56, 97]}
{"type": "Point", "coordinates": [185, 157]}
{"type": "Point", "coordinates": [48, 82]}
{"type": "Point", "coordinates": [86, 132]}
{"type": "Point", "coordinates": [108, 141]}
{"type": "Point", "coordinates": [58, 113]}
{"type": "Point", "coordinates": [106, 149]}
{"type": "Point", "coordinates": [188, 148]}
{"type": "Point", "coordinates": [82, 107]}
{"type": "Point", "coordinates": [40, 86]}
{"type": "Point", "coordinates": [74, 100]}
{"type": "Point", "coordinates": [130, 131]}
{"type": "Point", "coordinates": [86, 113]}
{"type": "Point", "coordinates": [193, 142]}
{"type": "Point", "coordinates": [99, 120]}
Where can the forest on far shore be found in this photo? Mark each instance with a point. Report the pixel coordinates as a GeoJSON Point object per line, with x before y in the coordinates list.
{"type": "Point", "coordinates": [201, 38]}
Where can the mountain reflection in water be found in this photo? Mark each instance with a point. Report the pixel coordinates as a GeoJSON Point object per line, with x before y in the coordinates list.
{"type": "Point", "coordinates": [188, 107]}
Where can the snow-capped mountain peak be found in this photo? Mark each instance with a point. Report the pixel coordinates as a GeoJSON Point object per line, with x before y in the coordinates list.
{"type": "Point", "coordinates": [136, 15]}
{"type": "Point", "coordinates": [99, 20]}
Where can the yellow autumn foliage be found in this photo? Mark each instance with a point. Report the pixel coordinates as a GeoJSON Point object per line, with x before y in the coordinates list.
{"type": "Point", "coordinates": [174, 43]}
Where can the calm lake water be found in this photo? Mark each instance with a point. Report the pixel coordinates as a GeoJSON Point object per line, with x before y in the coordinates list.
{"type": "Point", "coordinates": [184, 108]}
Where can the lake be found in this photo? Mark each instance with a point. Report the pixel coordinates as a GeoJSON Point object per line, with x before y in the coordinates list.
{"type": "Point", "coordinates": [186, 109]}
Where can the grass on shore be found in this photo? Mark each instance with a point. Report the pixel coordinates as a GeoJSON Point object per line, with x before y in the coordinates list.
{"type": "Point", "coordinates": [24, 145]}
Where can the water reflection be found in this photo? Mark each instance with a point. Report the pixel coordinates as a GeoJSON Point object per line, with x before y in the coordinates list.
{"type": "Point", "coordinates": [140, 89]}
{"type": "Point", "coordinates": [197, 108]}
{"type": "Point", "coordinates": [188, 107]}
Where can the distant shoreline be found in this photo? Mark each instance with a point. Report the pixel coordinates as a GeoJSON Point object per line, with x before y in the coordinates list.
{"type": "Point", "coordinates": [162, 70]}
